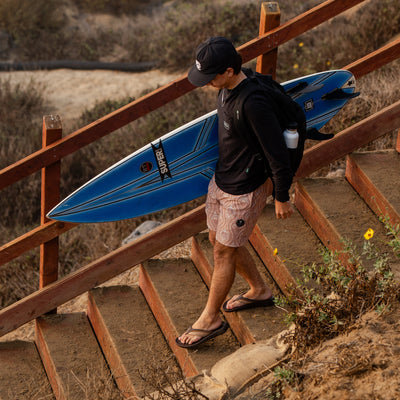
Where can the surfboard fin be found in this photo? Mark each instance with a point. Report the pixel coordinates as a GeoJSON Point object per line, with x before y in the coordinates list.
{"type": "Point", "coordinates": [315, 134]}
{"type": "Point", "coordinates": [339, 94]}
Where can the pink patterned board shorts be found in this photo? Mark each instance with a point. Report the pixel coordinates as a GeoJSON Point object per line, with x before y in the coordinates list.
{"type": "Point", "coordinates": [233, 217]}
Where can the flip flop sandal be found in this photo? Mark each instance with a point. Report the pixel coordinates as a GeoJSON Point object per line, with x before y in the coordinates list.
{"type": "Point", "coordinates": [205, 333]}
{"type": "Point", "coordinates": [248, 303]}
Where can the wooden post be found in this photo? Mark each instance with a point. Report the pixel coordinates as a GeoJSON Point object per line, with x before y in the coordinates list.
{"type": "Point", "coordinates": [52, 131]}
{"type": "Point", "coordinates": [270, 18]}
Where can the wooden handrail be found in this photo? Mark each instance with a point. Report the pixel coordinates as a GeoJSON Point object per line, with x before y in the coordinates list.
{"type": "Point", "coordinates": [118, 261]}
{"type": "Point", "coordinates": [167, 93]}
{"type": "Point", "coordinates": [32, 239]}
{"type": "Point", "coordinates": [350, 139]}
{"type": "Point", "coordinates": [375, 60]}
{"type": "Point", "coordinates": [295, 27]}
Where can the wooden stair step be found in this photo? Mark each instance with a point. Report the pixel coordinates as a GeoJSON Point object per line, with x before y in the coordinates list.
{"type": "Point", "coordinates": [72, 357]}
{"type": "Point", "coordinates": [295, 242]}
{"type": "Point", "coordinates": [176, 295]}
{"type": "Point", "coordinates": [250, 325]}
{"type": "Point", "coordinates": [336, 212]}
{"type": "Point", "coordinates": [22, 375]}
{"type": "Point", "coordinates": [375, 176]}
{"type": "Point", "coordinates": [128, 335]}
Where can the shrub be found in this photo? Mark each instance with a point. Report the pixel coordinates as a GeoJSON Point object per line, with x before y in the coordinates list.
{"type": "Point", "coordinates": [34, 25]}
{"type": "Point", "coordinates": [117, 7]}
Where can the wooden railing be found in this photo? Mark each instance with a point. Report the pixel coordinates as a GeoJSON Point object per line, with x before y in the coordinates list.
{"type": "Point", "coordinates": [52, 294]}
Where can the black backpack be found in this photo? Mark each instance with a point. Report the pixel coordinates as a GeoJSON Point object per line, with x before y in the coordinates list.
{"type": "Point", "coordinates": [286, 110]}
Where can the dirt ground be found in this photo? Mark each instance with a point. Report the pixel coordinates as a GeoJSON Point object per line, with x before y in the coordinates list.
{"type": "Point", "coordinates": [360, 365]}
{"type": "Point", "coordinates": [364, 364]}
{"type": "Point", "coordinates": [69, 92]}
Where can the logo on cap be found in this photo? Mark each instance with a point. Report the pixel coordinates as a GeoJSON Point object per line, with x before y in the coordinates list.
{"type": "Point", "coordinates": [198, 65]}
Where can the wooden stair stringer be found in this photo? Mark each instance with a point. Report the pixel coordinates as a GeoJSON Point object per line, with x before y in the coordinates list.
{"type": "Point", "coordinates": [78, 368]}
{"type": "Point", "coordinates": [166, 325]}
{"type": "Point", "coordinates": [315, 217]}
{"type": "Point", "coordinates": [130, 339]}
{"type": "Point", "coordinates": [272, 262]}
{"type": "Point", "coordinates": [369, 191]}
{"type": "Point", "coordinates": [108, 347]}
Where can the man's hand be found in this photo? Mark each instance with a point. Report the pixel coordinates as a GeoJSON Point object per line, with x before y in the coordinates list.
{"type": "Point", "coordinates": [283, 210]}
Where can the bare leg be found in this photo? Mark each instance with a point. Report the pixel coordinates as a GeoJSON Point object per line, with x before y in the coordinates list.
{"type": "Point", "coordinates": [221, 282]}
{"type": "Point", "coordinates": [247, 268]}
{"type": "Point", "coordinates": [226, 261]}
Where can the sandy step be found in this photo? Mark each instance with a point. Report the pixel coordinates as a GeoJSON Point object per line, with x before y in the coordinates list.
{"type": "Point", "coordinates": [293, 240]}
{"type": "Point", "coordinates": [176, 295]}
{"type": "Point", "coordinates": [375, 176]}
{"type": "Point", "coordinates": [22, 375]}
{"type": "Point", "coordinates": [129, 337]}
{"type": "Point", "coordinates": [250, 325]}
{"type": "Point", "coordinates": [335, 211]}
{"type": "Point", "coordinates": [72, 357]}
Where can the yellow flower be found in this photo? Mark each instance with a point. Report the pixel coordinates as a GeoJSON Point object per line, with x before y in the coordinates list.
{"type": "Point", "coordinates": [275, 251]}
{"type": "Point", "coordinates": [368, 235]}
{"type": "Point", "coordinates": [301, 44]}
{"type": "Point", "coordinates": [295, 66]}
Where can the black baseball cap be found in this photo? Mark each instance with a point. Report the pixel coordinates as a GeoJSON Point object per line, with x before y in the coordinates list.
{"type": "Point", "coordinates": [213, 57]}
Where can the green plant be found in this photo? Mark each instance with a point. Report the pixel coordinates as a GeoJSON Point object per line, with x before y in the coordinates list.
{"type": "Point", "coordinates": [344, 291]}
{"type": "Point", "coordinates": [393, 233]}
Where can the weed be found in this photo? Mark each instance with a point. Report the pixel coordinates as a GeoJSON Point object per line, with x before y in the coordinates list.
{"type": "Point", "coordinates": [168, 384]}
{"type": "Point", "coordinates": [393, 233]}
{"type": "Point", "coordinates": [342, 295]}
{"type": "Point", "coordinates": [97, 384]}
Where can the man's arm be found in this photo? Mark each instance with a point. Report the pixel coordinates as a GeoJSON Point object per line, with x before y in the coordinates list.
{"type": "Point", "coordinates": [283, 210]}
{"type": "Point", "coordinates": [265, 125]}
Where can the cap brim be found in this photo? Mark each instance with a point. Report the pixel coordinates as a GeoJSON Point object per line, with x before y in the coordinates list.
{"type": "Point", "coordinates": [198, 78]}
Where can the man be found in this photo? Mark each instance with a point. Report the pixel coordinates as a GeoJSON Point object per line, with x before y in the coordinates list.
{"type": "Point", "coordinates": [237, 193]}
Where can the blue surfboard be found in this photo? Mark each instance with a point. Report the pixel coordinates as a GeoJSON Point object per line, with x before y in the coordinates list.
{"type": "Point", "coordinates": [178, 166]}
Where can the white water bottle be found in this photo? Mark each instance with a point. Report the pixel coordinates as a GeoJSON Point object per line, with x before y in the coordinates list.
{"type": "Point", "coordinates": [291, 136]}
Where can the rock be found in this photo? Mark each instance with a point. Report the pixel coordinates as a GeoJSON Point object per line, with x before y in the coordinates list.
{"type": "Point", "coordinates": [339, 173]}
{"type": "Point", "coordinates": [141, 230]}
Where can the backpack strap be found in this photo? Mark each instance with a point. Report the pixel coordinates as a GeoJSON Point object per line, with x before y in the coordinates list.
{"type": "Point", "coordinates": [286, 109]}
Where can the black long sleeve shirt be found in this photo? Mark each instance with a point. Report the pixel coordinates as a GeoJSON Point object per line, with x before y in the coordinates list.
{"type": "Point", "coordinates": [238, 169]}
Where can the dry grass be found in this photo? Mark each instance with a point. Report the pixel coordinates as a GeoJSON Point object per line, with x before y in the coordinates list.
{"type": "Point", "coordinates": [166, 383]}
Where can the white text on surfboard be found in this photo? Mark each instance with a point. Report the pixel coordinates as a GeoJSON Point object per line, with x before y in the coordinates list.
{"type": "Point", "coordinates": [161, 160]}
